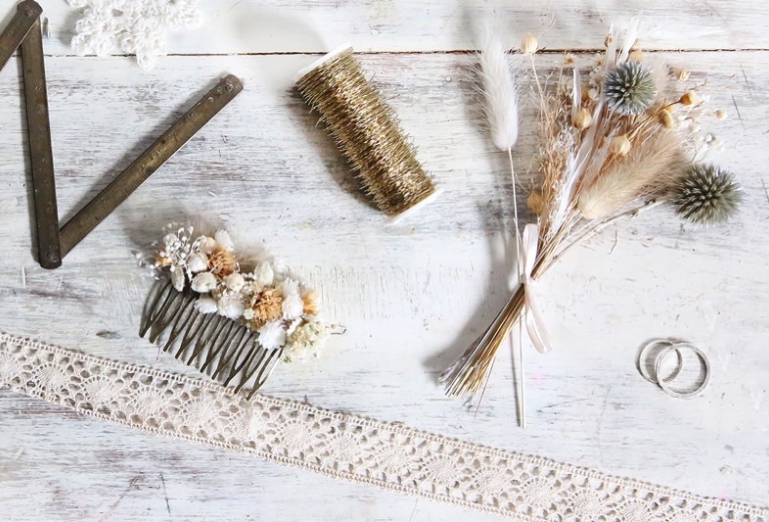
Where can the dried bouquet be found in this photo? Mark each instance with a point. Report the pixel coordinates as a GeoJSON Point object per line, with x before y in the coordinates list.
{"type": "Point", "coordinates": [617, 139]}
{"type": "Point", "coordinates": [237, 322]}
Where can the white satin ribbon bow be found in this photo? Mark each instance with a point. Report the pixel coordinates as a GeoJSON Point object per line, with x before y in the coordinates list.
{"type": "Point", "coordinates": [535, 325]}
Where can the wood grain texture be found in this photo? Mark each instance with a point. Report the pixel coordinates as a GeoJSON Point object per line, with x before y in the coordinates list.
{"type": "Point", "coordinates": [412, 297]}
{"type": "Point", "coordinates": [280, 26]}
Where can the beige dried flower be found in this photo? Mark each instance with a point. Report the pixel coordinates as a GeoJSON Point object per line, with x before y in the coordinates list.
{"type": "Point", "coordinates": [529, 44]}
{"type": "Point", "coordinates": [721, 114]}
{"type": "Point", "coordinates": [583, 119]}
{"type": "Point", "coordinates": [620, 145]}
{"type": "Point", "coordinates": [267, 306]}
{"type": "Point", "coordinates": [222, 262]}
{"type": "Point", "coordinates": [666, 119]}
{"type": "Point", "coordinates": [636, 55]}
{"type": "Point", "coordinates": [310, 302]}
{"type": "Point", "coordinates": [536, 203]}
{"type": "Point", "coordinates": [162, 261]}
{"type": "Point", "coordinates": [689, 98]}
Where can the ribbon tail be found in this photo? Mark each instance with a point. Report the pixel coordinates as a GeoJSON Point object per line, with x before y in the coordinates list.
{"type": "Point", "coordinates": [535, 325]}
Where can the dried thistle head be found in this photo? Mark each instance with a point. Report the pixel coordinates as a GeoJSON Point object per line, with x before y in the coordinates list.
{"type": "Point", "coordinates": [706, 195]}
{"type": "Point", "coordinates": [629, 89]}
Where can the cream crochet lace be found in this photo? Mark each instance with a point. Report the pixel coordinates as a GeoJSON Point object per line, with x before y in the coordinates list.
{"type": "Point", "coordinates": [393, 457]}
{"type": "Point", "coordinates": [135, 27]}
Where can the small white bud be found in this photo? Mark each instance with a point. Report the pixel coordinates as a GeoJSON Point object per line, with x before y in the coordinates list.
{"type": "Point", "coordinates": [206, 244]}
{"type": "Point", "coordinates": [583, 119]}
{"type": "Point", "coordinates": [234, 282]}
{"type": "Point", "coordinates": [204, 282]}
{"type": "Point", "coordinates": [620, 145]}
{"type": "Point", "coordinates": [178, 279]}
{"type": "Point", "coordinates": [223, 239]}
{"type": "Point", "coordinates": [263, 274]}
{"type": "Point", "coordinates": [529, 44]}
{"type": "Point", "coordinates": [197, 263]}
{"type": "Point", "coordinates": [206, 305]}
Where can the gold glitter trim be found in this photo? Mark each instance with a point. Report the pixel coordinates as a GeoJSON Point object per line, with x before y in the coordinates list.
{"type": "Point", "coordinates": [367, 132]}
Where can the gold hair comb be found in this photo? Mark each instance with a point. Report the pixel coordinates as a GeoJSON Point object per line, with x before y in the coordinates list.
{"type": "Point", "coordinates": [229, 323]}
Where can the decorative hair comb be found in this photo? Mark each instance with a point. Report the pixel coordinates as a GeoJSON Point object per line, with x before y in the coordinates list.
{"type": "Point", "coordinates": [229, 323]}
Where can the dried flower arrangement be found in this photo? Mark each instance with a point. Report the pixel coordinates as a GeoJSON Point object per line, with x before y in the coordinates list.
{"type": "Point", "coordinates": [235, 322]}
{"type": "Point", "coordinates": [624, 139]}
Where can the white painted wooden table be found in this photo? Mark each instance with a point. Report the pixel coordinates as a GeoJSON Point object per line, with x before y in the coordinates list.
{"type": "Point", "coordinates": [413, 296]}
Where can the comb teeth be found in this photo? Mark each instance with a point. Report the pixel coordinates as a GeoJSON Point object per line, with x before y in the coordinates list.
{"type": "Point", "coordinates": [222, 348]}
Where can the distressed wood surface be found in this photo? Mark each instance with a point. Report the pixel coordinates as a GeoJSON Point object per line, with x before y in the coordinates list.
{"type": "Point", "coordinates": [279, 26]}
{"type": "Point", "coordinates": [412, 297]}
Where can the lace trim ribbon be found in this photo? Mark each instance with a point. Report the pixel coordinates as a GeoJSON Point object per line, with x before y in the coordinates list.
{"type": "Point", "coordinates": [390, 456]}
{"type": "Point", "coordinates": [137, 27]}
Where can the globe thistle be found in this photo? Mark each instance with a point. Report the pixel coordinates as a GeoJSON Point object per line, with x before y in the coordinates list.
{"type": "Point", "coordinates": [629, 89]}
{"type": "Point", "coordinates": [706, 195]}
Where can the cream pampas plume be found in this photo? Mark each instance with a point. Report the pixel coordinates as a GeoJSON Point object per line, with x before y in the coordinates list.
{"type": "Point", "coordinates": [501, 104]}
{"type": "Point", "coordinates": [643, 171]}
{"type": "Point", "coordinates": [499, 91]}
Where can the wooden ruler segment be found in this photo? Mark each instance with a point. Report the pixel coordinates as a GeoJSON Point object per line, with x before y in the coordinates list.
{"type": "Point", "coordinates": [28, 12]}
{"type": "Point", "coordinates": [54, 243]}
{"type": "Point", "coordinates": [40, 151]}
{"type": "Point", "coordinates": [142, 168]}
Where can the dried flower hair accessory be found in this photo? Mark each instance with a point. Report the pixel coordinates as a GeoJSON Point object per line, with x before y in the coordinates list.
{"type": "Point", "coordinates": [232, 323]}
{"type": "Point", "coordinates": [618, 139]}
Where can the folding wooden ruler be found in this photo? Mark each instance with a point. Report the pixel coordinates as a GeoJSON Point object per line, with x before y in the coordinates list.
{"type": "Point", "coordinates": [55, 243]}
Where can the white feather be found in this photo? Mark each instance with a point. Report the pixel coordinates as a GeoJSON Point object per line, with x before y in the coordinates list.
{"type": "Point", "coordinates": [611, 50]}
{"type": "Point", "coordinates": [576, 95]}
{"type": "Point", "coordinates": [500, 92]}
{"type": "Point", "coordinates": [631, 35]}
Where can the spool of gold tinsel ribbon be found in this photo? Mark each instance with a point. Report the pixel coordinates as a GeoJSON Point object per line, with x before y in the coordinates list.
{"type": "Point", "coordinates": [367, 132]}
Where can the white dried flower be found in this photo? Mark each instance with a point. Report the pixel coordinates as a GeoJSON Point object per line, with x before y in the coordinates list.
{"type": "Point", "coordinates": [230, 305]}
{"type": "Point", "coordinates": [293, 304]}
{"type": "Point", "coordinates": [177, 278]}
{"type": "Point", "coordinates": [169, 240]}
{"type": "Point", "coordinates": [306, 340]}
{"type": "Point", "coordinates": [206, 305]}
{"type": "Point", "coordinates": [204, 282]}
{"type": "Point", "coordinates": [234, 282]}
{"type": "Point", "coordinates": [197, 263]}
{"type": "Point", "coordinates": [248, 314]}
{"type": "Point", "coordinates": [176, 248]}
{"type": "Point", "coordinates": [264, 274]}
{"type": "Point", "coordinates": [272, 335]}
{"type": "Point", "coordinates": [222, 238]}
{"type": "Point", "coordinates": [205, 244]}
{"type": "Point", "coordinates": [529, 44]}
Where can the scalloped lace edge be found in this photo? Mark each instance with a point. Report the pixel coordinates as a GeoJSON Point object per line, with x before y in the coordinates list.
{"type": "Point", "coordinates": [391, 456]}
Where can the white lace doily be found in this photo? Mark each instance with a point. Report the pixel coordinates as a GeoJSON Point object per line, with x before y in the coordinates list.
{"type": "Point", "coordinates": [137, 27]}
{"type": "Point", "coordinates": [393, 457]}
